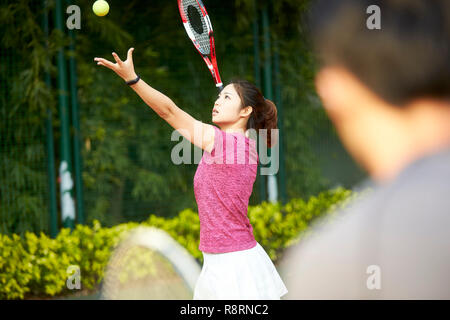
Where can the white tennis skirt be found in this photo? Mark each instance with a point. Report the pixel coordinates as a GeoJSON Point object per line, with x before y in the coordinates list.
{"type": "Point", "coordinates": [239, 275]}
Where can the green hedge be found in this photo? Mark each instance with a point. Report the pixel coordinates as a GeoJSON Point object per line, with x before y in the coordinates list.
{"type": "Point", "coordinates": [36, 265]}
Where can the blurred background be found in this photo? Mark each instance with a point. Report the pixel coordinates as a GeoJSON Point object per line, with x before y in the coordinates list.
{"type": "Point", "coordinates": [56, 104]}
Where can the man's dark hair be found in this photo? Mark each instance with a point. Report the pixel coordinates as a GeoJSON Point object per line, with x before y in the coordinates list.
{"type": "Point", "coordinates": [408, 58]}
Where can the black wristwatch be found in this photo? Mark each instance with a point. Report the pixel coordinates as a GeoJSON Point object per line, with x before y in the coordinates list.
{"type": "Point", "coordinates": [133, 81]}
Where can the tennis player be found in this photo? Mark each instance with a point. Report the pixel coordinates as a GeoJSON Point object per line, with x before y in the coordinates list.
{"type": "Point", "coordinates": [235, 264]}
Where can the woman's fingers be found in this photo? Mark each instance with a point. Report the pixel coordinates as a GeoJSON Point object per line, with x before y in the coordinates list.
{"type": "Point", "coordinates": [130, 54]}
{"type": "Point", "coordinates": [116, 57]}
{"type": "Point", "coordinates": [104, 62]}
{"type": "Point", "coordinates": [125, 70]}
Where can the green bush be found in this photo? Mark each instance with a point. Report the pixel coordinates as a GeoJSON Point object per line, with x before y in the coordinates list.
{"type": "Point", "coordinates": [276, 227]}
{"type": "Point", "coordinates": [36, 265]}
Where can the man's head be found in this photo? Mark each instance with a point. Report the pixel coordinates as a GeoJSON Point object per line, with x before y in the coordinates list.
{"type": "Point", "coordinates": [386, 90]}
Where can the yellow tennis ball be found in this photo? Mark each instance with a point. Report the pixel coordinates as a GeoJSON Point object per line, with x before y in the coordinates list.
{"type": "Point", "coordinates": [100, 8]}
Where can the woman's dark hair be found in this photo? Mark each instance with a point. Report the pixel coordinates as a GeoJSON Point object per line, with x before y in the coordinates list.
{"type": "Point", "coordinates": [264, 114]}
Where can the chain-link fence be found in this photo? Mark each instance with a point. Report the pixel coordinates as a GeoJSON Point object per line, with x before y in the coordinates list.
{"type": "Point", "coordinates": [23, 158]}
{"type": "Point", "coordinates": [125, 147]}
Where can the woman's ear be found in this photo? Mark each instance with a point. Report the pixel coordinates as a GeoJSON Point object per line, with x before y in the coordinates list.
{"type": "Point", "coordinates": [247, 111]}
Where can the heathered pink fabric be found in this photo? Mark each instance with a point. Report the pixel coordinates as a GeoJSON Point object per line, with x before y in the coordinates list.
{"type": "Point", "coordinates": [223, 184]}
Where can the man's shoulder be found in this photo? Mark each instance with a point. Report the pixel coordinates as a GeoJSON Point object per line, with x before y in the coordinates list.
{"type": "Point", "coordinates": [389, 225]}
{"type": "Point", "coordinates": [422, 188]}
{"type": "Point", "coordinates": [432, 171]}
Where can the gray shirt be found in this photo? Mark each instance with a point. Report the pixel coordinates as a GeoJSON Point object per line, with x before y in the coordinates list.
{"type": "Point", "coordinates": [393, 242]}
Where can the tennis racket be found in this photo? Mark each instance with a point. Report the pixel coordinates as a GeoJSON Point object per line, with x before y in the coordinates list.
{"type": "Point", "coordinates": [199, 29]}
{"type": "Point", "coordinates": [149, 265]}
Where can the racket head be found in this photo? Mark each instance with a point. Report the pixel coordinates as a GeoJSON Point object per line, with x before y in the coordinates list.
{"type": "Point", "coordinates": [199, 29]}
{"type": "Point", "coordinates": [149, 265]}
{"type": "Point", "coordinates": [197, 24]}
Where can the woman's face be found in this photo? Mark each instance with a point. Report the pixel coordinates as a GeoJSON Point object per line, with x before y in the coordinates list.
{"type": "Point", "coordinates": [227, 106]}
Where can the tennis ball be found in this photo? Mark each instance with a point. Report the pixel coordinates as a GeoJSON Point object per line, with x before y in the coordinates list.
{"type": "Point", "coordinates": [100, 8]}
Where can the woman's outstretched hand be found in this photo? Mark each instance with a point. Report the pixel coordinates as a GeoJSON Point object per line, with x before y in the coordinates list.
{"type": "Point", "coordinates": [124, 69]}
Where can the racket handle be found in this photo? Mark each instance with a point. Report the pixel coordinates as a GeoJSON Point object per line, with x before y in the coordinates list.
{"type": "Point", "coordinates": [219, 87]}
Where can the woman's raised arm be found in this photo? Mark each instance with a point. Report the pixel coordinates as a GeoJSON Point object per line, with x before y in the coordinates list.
{"type": "Point", "coordinates": [125, 69]}
{"type": "Point", "coordinates": [198, 133]}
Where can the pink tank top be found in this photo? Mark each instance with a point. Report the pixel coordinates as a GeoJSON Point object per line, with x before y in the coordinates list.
{"type": "Point", "coordinates": [223, 184]}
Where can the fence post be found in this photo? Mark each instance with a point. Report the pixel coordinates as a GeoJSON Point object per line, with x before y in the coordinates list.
{"type": "Point", "coordinates": [257, 73]}
{"type": "Point", "coordinates": [65, 167]}
{"type": "Point", "coordinates": [50, 143]}
{"type": "Point", "coordinates": [279, 103]}
{"type": "Point", "coordinates": [76, 130]}
{"type": "Point", "coordinates": [272, 187]}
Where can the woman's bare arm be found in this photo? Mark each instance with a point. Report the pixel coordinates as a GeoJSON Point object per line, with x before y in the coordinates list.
{"type": "Point", "coordinates": [198, 133]}
{"type": "Point", "coordinates": [125, 69]}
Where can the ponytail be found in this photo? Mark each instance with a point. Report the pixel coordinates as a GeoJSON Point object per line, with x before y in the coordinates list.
{"type": "Point", "coordinates": [264, 114]}
{"type": "Point", "coordinates": [270, 122]}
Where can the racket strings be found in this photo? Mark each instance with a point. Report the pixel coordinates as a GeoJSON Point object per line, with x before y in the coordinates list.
{"type": "Point", "coordinates": [197, 24]}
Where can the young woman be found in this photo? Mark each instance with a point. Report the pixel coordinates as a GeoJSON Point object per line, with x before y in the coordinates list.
{"type": "Point", "coordinates": [235, 265]}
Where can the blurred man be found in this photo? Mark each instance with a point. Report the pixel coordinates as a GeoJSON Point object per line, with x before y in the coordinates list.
{"type": "Point", "coordinates": [387, 92]}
